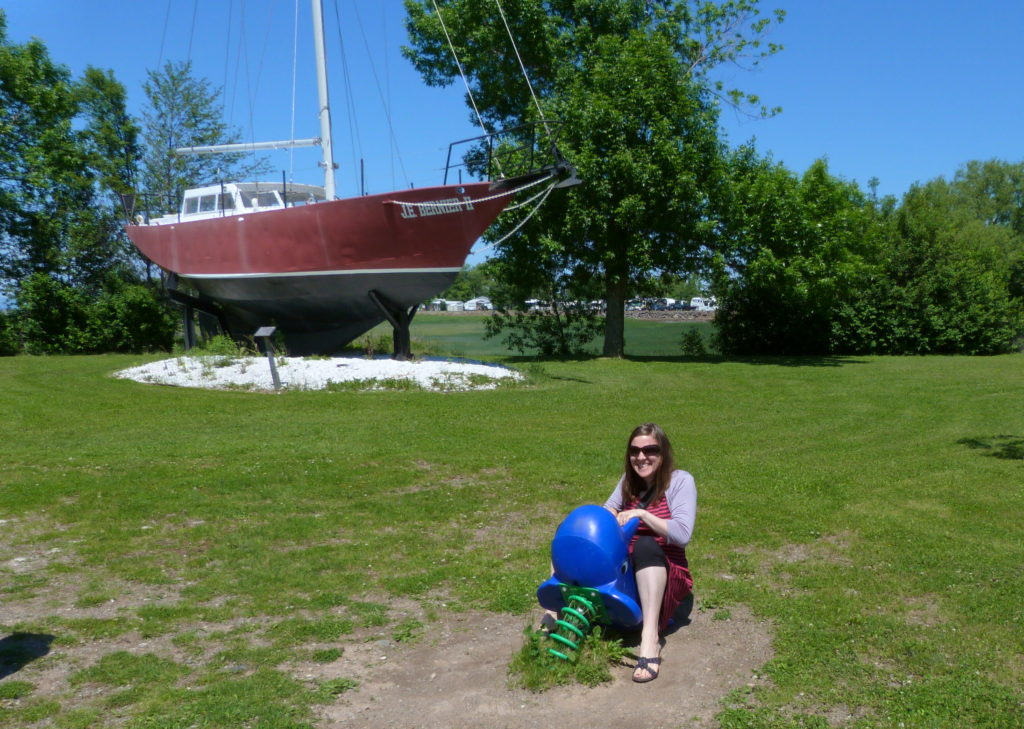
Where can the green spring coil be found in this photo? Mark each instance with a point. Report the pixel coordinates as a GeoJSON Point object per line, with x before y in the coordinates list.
{"type": "Point", "coordinates": [573, 623]}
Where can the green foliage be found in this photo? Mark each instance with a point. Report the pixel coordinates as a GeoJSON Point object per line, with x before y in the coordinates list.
{"type": "Point", "coordinates": [67, 144]}
{"type": "Point", "coordinates": [9, 343]}
{"type": "Point", "coordinates": [680, 288]}
{"type": "Point", "coordinates": [70, 150]}
{"type": "Point", "coordinates": [54, 317]}
{"type": "Point", "coordinates": [185, 111]}
{"type": "Point", "coordinates": [132, 318]}
{"type": "Point", "coordinates": [631, 83]}
{"type": "Point", "coordinates": [946, 283]}
{"type": "Point", "coordinates": [294, 631]}
{"type": "Point", "coordinates": [335, 687]}
{"type": "Point", "coordinates": [471, 282]}
{"type": "Point", "coordinates": [222, 347]}
{"type": "Point", "coordinates": [693, 343]}
{"type": "Point", "coordinates": [795, 250]}
{"type": "Point", "coordinates": [535, 669]}
{"type": "Point", "coordinates": [396, 384]}
{"type": "Point", "coordinates": [326, 655]}
{"type": "Point", "coordinates": [814, 267]}
{"type": "Point", "coordinates": [125, 669]}
{"type": "Point", "coordinates": [409, 630]}
{"type": "Point", "coordinates": [562, 330]}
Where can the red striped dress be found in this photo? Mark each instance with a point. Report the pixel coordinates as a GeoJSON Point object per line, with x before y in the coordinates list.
{"type": "Point", "coordinates": [680, 581]}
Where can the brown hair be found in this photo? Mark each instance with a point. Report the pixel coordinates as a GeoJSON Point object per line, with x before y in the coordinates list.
{"type": "Point", "coordinates": [634, 487]}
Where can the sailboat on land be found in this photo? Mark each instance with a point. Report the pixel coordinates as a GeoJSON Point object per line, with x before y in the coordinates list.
{"type": "Point", "coordinates": [325, 270]}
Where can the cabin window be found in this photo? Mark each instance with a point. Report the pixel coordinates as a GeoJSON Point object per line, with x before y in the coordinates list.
{"type": "Point", "coordinates": [207, 203]}
{"type": "Point", "coordinates": [268, 199]}
{"type": "Point", "coordinates": [227, 201]}
{"type": "Point", "coordinates": [191, 205]}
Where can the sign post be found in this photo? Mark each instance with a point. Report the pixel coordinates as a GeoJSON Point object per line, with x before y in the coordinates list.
{"type": "Point", "coordinates": [265, 333]}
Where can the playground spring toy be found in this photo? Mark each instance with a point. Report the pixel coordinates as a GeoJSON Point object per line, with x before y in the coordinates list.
{"type": "Point", "coordinates": [593, 581]}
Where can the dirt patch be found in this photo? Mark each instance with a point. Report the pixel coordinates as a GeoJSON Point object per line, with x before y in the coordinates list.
{"type": "Point", "coordinates": [450, 673]}
{"type": "Point", "coordinates": [456, 676]}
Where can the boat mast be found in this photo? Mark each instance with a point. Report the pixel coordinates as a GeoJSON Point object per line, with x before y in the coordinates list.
{"type": "Point", "coordinates": [324, 99]}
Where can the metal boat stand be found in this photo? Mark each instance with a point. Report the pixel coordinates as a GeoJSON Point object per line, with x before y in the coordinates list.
{"type": "Point", "coordinates": [211, 316]}
{"type": "Point", "coordinates": [400, 319]}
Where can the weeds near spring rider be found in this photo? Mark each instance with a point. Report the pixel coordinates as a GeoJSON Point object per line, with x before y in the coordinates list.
{"type": "Point", "coordinates": [593, 582]}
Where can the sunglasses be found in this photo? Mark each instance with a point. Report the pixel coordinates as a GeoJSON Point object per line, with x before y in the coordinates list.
{"type": "Point", "coordinates": [647, 450]}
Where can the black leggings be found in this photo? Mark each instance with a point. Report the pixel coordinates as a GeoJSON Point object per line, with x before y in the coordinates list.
{"type": "Point", "coordinates": [648, 553]}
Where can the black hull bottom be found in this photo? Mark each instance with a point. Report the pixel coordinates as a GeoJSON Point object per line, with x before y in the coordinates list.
{"type": "Point", "coordinates": [318, 313]}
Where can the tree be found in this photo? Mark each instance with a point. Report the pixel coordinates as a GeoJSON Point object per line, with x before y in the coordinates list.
{"type": "Point", "coordinates": [37, 156]}
{"type": "Point", "coordinates": [56, 211]}
{"type": "Point", "coordinates": [947, 282]}
{"type": "Point", "coordinates": [472, 282]}
{"type": "Point", "coordinates": [55, 317]}
{"type": "Point", "coordinates": [68, 150]}
{"type": "Point", "coordinates": [794, 249]}
{"type": "Point", "coordinates": [814, 266]}
{"type": "Point", "coordinates": [184, 111]}
{"type": "Point", "coordinates": [632, 83]}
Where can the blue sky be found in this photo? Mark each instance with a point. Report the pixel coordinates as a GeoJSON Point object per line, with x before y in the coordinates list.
{"type": "Point", "coordinates": [903, 90]}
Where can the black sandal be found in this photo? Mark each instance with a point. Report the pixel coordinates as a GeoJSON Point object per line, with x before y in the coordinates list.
{"type": "Point", "coordinates": [651, 665]}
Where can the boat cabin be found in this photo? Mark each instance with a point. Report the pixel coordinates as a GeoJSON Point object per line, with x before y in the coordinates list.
{"type": "Point", "coordinates": [238, 198]}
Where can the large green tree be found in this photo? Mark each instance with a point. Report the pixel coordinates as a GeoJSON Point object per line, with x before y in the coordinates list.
{"type": "Point", "coordinates": [68, 151]}
{"type": "Point", "coordinates": [811, 265]}
{"type": "Point", "coordinates": [59, 139]}
{"type": "Point", "coordinates": [632, 82]}
{"type": "Point", "coordinates": [950, 280]}
{"type": "Point", "coordinates": [185, 111]}
{"type": "Point", "coordinates": [793, 248]}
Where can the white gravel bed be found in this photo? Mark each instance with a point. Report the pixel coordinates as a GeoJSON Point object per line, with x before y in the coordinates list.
{"type": "Point", "coordinates": [340, 373]}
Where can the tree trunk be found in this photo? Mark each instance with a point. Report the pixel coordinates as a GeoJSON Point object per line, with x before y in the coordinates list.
{"type": "Point", "coordinates": [615, 315]}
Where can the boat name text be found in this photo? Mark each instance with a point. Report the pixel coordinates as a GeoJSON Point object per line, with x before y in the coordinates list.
{"type": "Point", "coordinates": [437, 207]}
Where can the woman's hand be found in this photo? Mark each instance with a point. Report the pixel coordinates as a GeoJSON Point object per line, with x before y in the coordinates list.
{"type": "Point", "coordinates": [658, 525]}
{"type": "Point", "coordinates": [625, 516]}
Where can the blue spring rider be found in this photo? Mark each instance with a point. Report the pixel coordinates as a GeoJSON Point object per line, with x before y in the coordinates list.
{"type": "Point", "coordinates": [593, 581]}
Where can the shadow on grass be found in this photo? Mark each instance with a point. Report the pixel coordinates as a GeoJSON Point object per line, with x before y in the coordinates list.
{"type": "Point", "coordinates": [776, 361]}
{"type": "Point", "coordinates": [19, 649]}
{"type": "Point", "coordinates": [1010, 447]}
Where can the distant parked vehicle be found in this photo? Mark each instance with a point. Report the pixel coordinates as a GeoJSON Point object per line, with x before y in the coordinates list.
{"type": "Point", "coordinates": [704, 303]}
{"type": "Point", "coordinates": [480, 303]}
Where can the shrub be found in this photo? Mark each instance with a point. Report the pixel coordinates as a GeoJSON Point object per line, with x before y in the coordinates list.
{"type": "Point", "coordinates": [564, 330]}
{"type": "Point", "coordinates": [693, 343]}
{"type": "Point", "coordinates": [53, 316]}
{"type": "Point", "coordinates": [56, 318]}
{"type": "Point", "coordinates": [131, 318]}
{"type": "Point", "coordinates": [8, 334]}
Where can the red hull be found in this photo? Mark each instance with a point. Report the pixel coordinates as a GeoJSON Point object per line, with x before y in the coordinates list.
{"type": "Point", "coordinates": [310, 269]}
{"type": "Point", "coordinates": [363, 233]}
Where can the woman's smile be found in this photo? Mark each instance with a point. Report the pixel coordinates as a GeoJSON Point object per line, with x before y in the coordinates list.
{"type": "Point", "coordinates": [645, 456]}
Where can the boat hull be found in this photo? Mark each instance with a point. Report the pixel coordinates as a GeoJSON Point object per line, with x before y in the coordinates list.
{"type": "Point", "coordinates": [309, 270]}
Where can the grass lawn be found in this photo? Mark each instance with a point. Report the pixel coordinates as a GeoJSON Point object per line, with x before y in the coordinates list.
{"type": "Point", "coordinates": [871, 509]}
{"type": "Point", "coordinates": [462, 334]}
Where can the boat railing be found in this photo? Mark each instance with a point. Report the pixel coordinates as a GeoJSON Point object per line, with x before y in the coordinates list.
{"type": "Point", "coordinates": [512, 152]}
{"type": "Point", "coordinates": [201, 203]}
{"type": "Point", "coordinates": [140, 208]}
